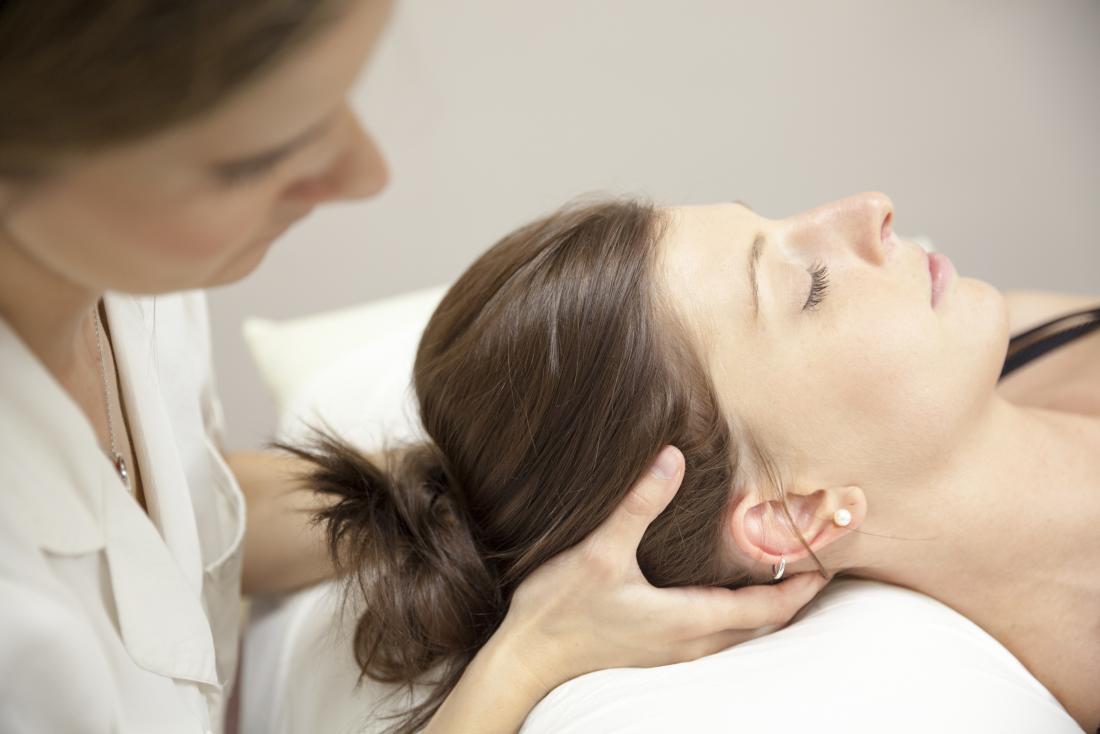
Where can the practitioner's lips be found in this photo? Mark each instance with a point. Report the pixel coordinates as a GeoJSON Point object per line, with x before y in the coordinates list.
{"type": "Point", "coordinates": [941, 272]}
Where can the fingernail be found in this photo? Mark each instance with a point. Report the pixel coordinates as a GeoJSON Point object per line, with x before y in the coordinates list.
{"type": "Point", "coordinates": [665, 465]}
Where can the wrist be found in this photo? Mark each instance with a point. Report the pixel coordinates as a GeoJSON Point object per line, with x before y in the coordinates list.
{"type": "Point", "coordinates": [528, 663]}
{"type": "Point", "coordinates": [496, 692]}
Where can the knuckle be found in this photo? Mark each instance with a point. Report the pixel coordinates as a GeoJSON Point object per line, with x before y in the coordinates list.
{"type": "Point", "coordinates": [596, 560]}
{"type": "Point", "coordinates": [637, 501]}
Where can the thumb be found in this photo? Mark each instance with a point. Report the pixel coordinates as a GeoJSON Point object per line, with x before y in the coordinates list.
{"type": "Point", "coordinates": [649, 496]}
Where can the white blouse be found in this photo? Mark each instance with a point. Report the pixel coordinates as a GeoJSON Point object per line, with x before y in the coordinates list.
{"type": "Point", "coordinates": [113, 620]}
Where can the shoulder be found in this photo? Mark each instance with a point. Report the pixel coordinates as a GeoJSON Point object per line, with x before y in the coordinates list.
{"type": "Point", "coordinates": [1028, 308]}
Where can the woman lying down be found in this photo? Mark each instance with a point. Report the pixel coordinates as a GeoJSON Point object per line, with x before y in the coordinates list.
{"type": "Point", "coordinates": [837, 396]}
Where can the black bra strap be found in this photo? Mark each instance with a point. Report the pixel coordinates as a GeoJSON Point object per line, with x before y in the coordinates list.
{"type": "Point", "coordinates": [1044, 338]}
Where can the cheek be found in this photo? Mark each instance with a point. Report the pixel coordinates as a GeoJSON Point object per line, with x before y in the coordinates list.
{"type": "Point", "coordinates": [186, 228]}
{"type": "Point", "coordinates": [207, 228]}
{"type": "Point", "coordinates": [874, 396]}
{"type": "Point", "coordinates": [137, 240]}
{"type": "Point", "coordinates": [870, 398]}
{"type": "Point", "coordinates": [187, 232]}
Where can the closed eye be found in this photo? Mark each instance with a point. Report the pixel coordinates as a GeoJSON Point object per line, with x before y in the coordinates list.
{"type": "Point", "coordinates": [242, 171]}
{"type": "Point", "coordinates": [255, 166]}
{"type": "Point", "coordinates": [819, 285]}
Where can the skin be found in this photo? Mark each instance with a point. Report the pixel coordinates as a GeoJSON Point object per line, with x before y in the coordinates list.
{"type": "Point", "coordinates": [152, 216]}
{"type": "Point", "coordinates": [976, 493]}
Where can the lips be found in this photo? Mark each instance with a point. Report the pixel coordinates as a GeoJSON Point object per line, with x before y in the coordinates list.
{"type": "Point", "coordinates": [942, 272]}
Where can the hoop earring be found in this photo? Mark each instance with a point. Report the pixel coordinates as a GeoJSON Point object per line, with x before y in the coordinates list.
{"type": "Point", "coordinates": [777, 571]}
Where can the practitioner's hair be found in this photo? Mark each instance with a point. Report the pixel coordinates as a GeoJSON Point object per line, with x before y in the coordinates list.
{"type": "Point", "coordinates": [548, 380]}
{"type": "Point", "coordinates": [76, 76]}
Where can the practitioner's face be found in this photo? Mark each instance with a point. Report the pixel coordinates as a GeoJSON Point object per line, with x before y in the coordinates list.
{"type": "Point", "coordinates": [864, 383]}
{"type": "Point", "coordinates": [201, 204]}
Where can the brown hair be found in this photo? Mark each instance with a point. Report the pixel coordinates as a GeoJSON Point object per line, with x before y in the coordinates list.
{"type": "Point", "coordinates": [75, 76]}
{"type": "Point", "coordinates": [548, 379]}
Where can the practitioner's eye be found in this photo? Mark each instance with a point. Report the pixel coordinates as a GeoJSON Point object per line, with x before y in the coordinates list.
{"type": "Point", "coordinates": [819, 284]}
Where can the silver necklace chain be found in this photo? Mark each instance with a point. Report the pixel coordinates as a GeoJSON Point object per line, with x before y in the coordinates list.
{"type": "Point", "coordinates": [116, 457]}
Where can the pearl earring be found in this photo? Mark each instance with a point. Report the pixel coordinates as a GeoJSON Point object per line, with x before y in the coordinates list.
{"type": "Point", "coordinates": [777, 571]}
{"type": "Point", "coordinates": [842, 518]}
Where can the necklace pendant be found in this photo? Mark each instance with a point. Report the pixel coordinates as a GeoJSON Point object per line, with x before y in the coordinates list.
{"type": "Point", "coordinates": [120, 467]}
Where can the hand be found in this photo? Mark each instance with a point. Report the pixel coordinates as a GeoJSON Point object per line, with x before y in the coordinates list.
{"type": "Point", "coordinates": [590, 608]}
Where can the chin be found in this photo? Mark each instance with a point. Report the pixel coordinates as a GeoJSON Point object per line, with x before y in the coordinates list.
{"type": "Point", "coordinates": [242, 265]}
{"type": "Point", "coordinates": [981, 315]}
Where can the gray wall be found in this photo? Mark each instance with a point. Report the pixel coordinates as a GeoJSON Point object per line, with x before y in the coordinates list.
{"type": "Point", "coordinates": [979, 119]}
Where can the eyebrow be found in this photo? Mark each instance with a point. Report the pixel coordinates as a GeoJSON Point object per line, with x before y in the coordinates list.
{"type": "Point", "coordinates": [755, 252]}
{"type": "Point", "coordinates": [228, 168]}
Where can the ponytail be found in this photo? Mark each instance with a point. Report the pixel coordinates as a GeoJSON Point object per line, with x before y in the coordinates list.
{"type": "Point", "coordinates": [430, 599]}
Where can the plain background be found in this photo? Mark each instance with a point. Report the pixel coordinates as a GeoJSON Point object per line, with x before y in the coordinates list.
{"type": "Point", "coordinates": [980, 119]}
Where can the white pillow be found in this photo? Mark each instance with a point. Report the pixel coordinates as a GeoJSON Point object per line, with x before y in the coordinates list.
{"type": "Point", "coordinates": [864, 657]}
{"type": "Point", "coordinates": [291, 353]}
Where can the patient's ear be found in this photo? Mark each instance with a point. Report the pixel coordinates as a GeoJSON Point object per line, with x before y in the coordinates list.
{"type": "Point", "coordinates": [761, 529]}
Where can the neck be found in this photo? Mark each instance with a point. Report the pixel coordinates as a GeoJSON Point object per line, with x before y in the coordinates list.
{"type": "Point", "coordinates": [49, 312]}
{"type": "Point", "coordinates": [1003, 533]}
{"type": "Point", "coordinates": [1007, 510]}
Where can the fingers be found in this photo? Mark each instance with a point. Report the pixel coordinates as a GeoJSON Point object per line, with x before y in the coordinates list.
{"type": "Point", "coordinates": [715, 610]}
{"type": "Point", "coordinates": [650, 495]}
{"type": "Point", "coordinates": [716, 640]}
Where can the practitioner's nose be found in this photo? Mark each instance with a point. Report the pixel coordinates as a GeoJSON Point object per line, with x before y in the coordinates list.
{"type": "Point", "coordinates": [358, 172]}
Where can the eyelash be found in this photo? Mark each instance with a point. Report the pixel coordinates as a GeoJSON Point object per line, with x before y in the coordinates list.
{"type": "Point", "coordinates": [819, 285]}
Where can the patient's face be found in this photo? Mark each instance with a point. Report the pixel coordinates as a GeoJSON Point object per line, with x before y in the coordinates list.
{"type": "Point", "coordinates": [862, 382]}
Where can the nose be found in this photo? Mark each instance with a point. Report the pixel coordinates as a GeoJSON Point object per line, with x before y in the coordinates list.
{"type": "Point", "coordinates": [862, 224]}
{"type": "Point", "coordinates": [359, 172]}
